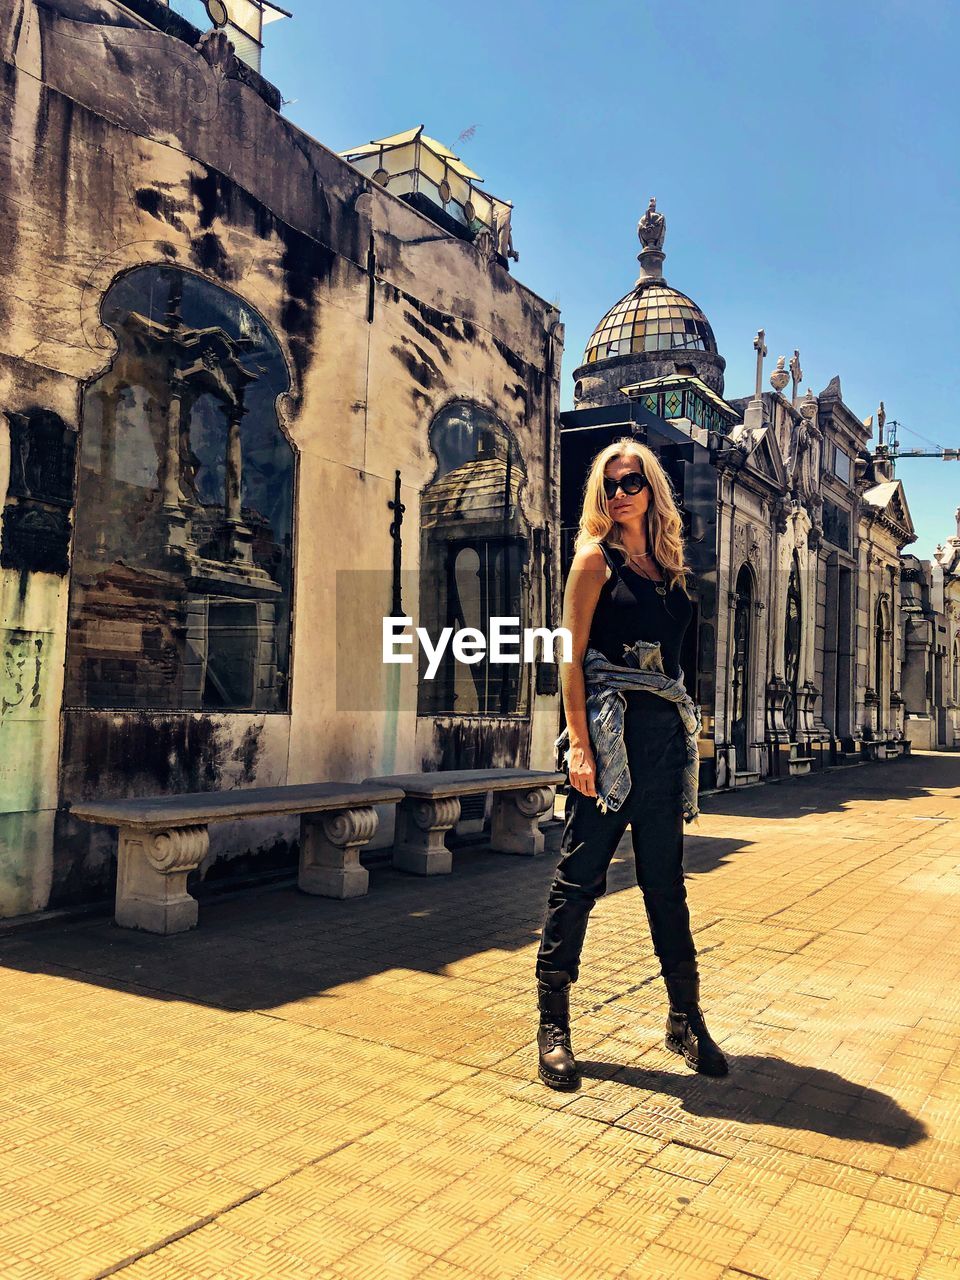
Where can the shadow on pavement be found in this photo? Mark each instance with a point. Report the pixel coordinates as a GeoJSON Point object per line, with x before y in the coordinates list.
{"type": "Point", "coordinates": [267, 948]}
{"type": "Point", "coordinates": [828, 790]}
{"type": "Point", "coordinates": [767, 1090]}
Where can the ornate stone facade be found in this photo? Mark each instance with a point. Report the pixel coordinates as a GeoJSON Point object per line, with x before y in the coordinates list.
{"type": "Point", "coordinates": [230, 362]}
{"type": "Point", "coordinates": [827, 643]}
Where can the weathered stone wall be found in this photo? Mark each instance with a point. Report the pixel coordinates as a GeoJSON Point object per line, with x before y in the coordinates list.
{"type": "Point", "coordinates": [121, 146]}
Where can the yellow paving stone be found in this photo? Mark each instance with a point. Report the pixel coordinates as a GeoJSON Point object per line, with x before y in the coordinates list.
{"type": "Point", "coordinates": [597, 1246]}
{"type": "Point", "coordinates": [485, 1253]}
{"type": "Point", "coordinates": [443, 1270]}
{"type": "Point", "coordinates": [388, 1121]}
{"type": "Point", "coordinates": [559, 1265]}
{"type": "Point", "coordinates": [770, 1257]}
{"type": "Point", "coordinates": [946, 1239]}
{"type": "Point", "coordinates": [937, 1267]}
{"type": "Point", "coordinates": [319, 1241]}
{"type": "Point", "coordinates": [882, 1256]}
{"type": "Point", "coordinates": [901, 1226]}
{"type": "Point", "coordinates": [687, 1162]}
{"type": "Point", "coordinates": [846, 1270]}
{"type": "Point", "coordinates": [658, 1262]}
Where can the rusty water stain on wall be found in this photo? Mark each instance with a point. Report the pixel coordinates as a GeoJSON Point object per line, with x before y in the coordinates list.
{"type": "Point", "coordinates": [248, 752]}
{"type": "Point", "coordinates": [125, 753]}
{"type": "Point", "coordinates": [21, 672]}
{"type": "Point", "coordinates": [461, 742]}
{"type": "Point", "coordinates": [418, 363]}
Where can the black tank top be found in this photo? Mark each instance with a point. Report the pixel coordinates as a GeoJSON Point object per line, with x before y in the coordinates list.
{"type": "Point", "coordinates": [630, 608]}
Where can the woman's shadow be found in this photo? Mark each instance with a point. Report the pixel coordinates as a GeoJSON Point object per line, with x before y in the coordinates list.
{"type": "Point", "coordinates": [768, 1090]}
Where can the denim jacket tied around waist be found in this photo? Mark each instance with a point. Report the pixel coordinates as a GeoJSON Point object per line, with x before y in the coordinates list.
{"type": "Point", "coordinates": [606, 707]}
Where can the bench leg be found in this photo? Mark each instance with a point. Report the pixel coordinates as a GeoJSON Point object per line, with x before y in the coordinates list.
{"type": "Point", "coordinates": [514, 823]}
{"type": "Point", "coordinates": [152, 871]}
{"type": "Point", "coordinates": [421, 825]}
{"type": "Point", "coordinates": [330, 845]}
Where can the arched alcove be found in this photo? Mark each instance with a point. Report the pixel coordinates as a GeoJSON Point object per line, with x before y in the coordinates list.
{"type": "Point", "coordinates": [474, 551]}
{"type": "Point", "coordinates": [881, 663]}
{"type": "Point", "coordinates": [180, 595]}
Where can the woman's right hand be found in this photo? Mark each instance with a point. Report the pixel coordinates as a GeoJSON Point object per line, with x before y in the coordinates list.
{"type": "Point", "coordinates": [582, 769]}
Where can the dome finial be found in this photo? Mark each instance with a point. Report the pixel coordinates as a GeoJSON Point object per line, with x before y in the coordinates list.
{"type": "Point", "coordinates": [651, 229]}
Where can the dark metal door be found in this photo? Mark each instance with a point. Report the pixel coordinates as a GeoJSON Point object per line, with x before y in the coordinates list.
{"type": "Point", "coordinates": [792, 653]}
{"type": "Point", "coordinates": [740, 675]}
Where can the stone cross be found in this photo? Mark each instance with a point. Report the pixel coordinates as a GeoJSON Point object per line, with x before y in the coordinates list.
{"type": "Point", "coordinates": [796, 373]}
{"type": "Point", "coordinates": [761, 350]}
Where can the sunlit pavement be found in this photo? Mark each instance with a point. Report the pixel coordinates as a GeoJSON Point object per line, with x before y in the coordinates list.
{"type": "Point", "coordinates": [309, 1088]}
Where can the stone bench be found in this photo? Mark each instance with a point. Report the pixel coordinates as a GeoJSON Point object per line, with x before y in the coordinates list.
{"type": "Point", "coordinates": [431, 807]}
{"type": "Point", "coordinates": [163, 838]}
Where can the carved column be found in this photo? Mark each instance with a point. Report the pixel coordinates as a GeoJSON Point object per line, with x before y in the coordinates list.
{"type": "Point", "coordinates": [152, 875]}
{"type": "Point", "coordinates": [234, 470]}
{"type": "Point", "coordinates": [421, 826]}
{"type": "Point", "coordinates": [515, 821]}
{"type": "Point", "coordinates": [171, 455]}
{"type": "Point", "coordinates": [330, 845]}
{"type": "Point", "coordinates": [177, 535]}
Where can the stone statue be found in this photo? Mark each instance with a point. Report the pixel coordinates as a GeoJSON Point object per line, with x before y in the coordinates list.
{"type": "Point", "coordinates": [504, 235]}
{"type": "Point", "coordinates": [779, 378]}
{"type": "Point", "coordinates": [881, 419]}
{"type": "Point", "coordinates": [652, 227]}
{"type": "Point", "coordinates": [801, 462]}
{"type": "Point", "coordinates": [796, 373]}
{"type": "Point", "coordinates": [761, 349]}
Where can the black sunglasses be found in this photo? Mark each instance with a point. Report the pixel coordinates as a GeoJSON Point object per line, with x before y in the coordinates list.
{"type": "Point", "coordinates": [632, 483]}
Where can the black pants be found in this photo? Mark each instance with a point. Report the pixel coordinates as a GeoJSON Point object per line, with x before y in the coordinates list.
{"type": "Point", "coordinates": [656, 753]}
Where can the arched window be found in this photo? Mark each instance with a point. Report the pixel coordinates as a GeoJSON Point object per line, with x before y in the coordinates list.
{"type": "Point", "coordinates": [474, 549]}
{"type": "Point", "coordinates": [183, 549]}
{"type": "Point", "coordinates": [879, 647]}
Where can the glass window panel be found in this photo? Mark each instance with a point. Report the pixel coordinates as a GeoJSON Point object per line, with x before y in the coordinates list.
{"type": "Point", "coordinates": [431, 165]}
{"type": "Point", "coordinates": [403, 184]}
{"type": "Point", "coordinates": [247, 16]}
{"type": "Point", "coordinates": [401, 159]}
{"type": "Point", "coordinates": [430, 189]}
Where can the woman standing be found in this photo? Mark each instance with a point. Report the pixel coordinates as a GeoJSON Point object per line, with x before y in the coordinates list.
{"type": "Point", "coordinates": [633, 756]}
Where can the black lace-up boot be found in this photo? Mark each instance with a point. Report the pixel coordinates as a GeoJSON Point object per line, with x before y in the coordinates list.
{"type": "Point", "coordinates": [558, 1067]}
{"type": "Point", "coordinates": [687, 1032]}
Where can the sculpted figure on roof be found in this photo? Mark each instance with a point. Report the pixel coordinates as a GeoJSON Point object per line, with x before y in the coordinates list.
{"type": "Point", "coordinates": [652, 227]}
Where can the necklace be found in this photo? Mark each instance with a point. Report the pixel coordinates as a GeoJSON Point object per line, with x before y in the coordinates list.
{"type": "Point", "coordinates": [643, 555]}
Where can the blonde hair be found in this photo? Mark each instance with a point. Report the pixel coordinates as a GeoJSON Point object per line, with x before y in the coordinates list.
{"type": "Point", "coordinates": [664, 524]}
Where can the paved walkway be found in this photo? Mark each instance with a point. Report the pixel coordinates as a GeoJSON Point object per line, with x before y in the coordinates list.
{"type": "Point", "coordinates": [306, 1089]}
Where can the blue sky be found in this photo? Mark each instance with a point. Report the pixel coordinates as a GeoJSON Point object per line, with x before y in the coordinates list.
{"type": "Point", "coordinates": [805, 156]}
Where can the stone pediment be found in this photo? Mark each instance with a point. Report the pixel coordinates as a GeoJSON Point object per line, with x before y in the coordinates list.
{"type": "Point", "coordinates": [764, 456]}
{"type": "Point", "coordinates": [890, 501]}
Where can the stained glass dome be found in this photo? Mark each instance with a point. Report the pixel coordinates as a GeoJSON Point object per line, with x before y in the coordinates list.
{"type": "Point", "coordinates": [652, 317]}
